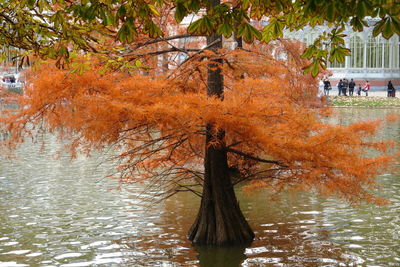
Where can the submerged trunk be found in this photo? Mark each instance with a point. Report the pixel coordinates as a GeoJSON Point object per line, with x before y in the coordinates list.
{"type": "Point", "coordinates": [220, 220]}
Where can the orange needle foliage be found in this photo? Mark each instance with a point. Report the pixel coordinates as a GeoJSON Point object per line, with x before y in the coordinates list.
{"type": "Point", "coordinates": [274, 126]}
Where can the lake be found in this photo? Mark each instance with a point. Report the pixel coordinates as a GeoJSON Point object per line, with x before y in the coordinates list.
{"type": "Point", "coordinates": [58, 212]}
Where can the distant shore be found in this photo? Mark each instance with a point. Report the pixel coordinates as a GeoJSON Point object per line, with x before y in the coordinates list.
{"type": "Point", "coordinates": [365, 101]}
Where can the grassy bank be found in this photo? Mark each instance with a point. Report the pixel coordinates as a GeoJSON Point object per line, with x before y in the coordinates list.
{"type": "Point", "coordinates": [365, 101]}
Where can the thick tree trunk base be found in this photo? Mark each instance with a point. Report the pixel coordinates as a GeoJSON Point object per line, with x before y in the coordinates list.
{"type": "Point", "coordinates": [220, 221]}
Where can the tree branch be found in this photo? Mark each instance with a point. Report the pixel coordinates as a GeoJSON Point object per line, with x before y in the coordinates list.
{"type": "Point", "coordinates": [245, 155]}
{"type": "Point", "coordinates": [180, 36]}
{"type": "Point", "coordinates": [160, 52]}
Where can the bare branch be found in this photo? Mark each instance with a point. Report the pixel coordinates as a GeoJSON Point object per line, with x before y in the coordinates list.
{"type": "Point", "coordinates": [180, 36]}
{"type": "Point", "coordinates": [245, 155]}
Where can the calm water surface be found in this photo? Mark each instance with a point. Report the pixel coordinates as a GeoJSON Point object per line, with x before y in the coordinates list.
{"type": "Point", "coordinates": [57, 212]}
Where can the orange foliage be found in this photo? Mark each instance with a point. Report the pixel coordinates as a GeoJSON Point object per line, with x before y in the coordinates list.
{"type": "Point", "coordinates": [273, 120]}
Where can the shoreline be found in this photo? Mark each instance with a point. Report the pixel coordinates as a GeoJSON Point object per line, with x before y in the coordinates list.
{"type": "Point", "coordinates": [373, 101]}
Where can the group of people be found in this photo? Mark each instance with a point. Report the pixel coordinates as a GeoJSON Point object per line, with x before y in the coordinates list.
{"type": "Point", "coordinates": [345, 86]}
{"type": "Point", "coordinates": [9, 79]}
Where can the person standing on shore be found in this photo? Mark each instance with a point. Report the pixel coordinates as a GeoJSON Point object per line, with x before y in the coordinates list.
{"type": "Point", "coordinates": [345, 85]}
{"type": "Point", "coordinates": [366, 88]}
{"type": "Point", "coordinates": [339, 87]}
{"type": "Point", "coordinates": [352, 84]}
{"type": "Point", "coordinates": [359, 90]}
{"type": "Point", "coordinates": [327, 86]}
{"type": "Point", "coordinates": [391, 92]}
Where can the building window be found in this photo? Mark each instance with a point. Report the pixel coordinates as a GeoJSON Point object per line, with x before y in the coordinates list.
{"type": "Point", "coordinates": [386, 53]}
{"type": "Point", "coordinates": [374, 52]}
{"type": "Point", "coordinates": [335, 64]}
{"type": "Point", "coordinates": [357, 52]}
{"type": "Point", "coordinates": [396, 53]}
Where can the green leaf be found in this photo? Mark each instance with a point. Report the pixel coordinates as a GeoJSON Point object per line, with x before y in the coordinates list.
{"type": "Point", "coordinates": [309, 52]}
{"type": "Point", "coordinates": [121, 12]}
{"type": "Point", "coordinates": [273, 30]}
{"type": "Point", "coordinates": [31, 3]}
{"type": "Point", "coordinates": [193, 27]}
{"type": "Point", "coordinates": [330, 12]}
{"type": "Point", "coordinates": [388, 30]}
{"type": "Point", "coordinates": [379, 27]}
{"type": "Point", "coordinates": [357, 24]}
{"type": "Point", "coordinates": [245, 4]}
{"type": "Point", "coordinates": [204, 25]}
{"type": "Point", "coordinates": [253, 32]}
{"type": "Point", "coordinates": [310, 7]}
{"type": "Point", "coordinates": [194, 6]}
{"type": "Point", "coordinates": [248, 33]}
{"type": "Point", "coordinates": [225, 29]}
{"type": "Point", "coordinates": [396, 25]}
{"type": "Point", "coordinates": [180, 11]}
{"type": "Point", "coordinates": [361, 9]}
{"type": "Point", "coordinates": [152, 29]}
{"type": "Point", "coordinates": [127, 31]}
{"type": "Point", "coordinates": [315, 68]}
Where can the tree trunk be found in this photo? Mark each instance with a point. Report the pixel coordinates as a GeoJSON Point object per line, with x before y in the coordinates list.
{"type": "Point", "coordinates": [220, 220]}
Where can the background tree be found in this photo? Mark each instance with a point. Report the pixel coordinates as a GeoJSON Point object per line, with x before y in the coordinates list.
{"type": "Point", "coordinates": [253, 112]}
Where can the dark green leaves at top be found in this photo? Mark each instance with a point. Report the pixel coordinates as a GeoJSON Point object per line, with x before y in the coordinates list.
{"type": "Point", "coordinates": [185, 7]}
{"type": "Point", "coordinates": [180, 11]}
{"type": "Point", "coordinates": [358, 24]}
{"type": "Point", "coordinates": [152, 29]}
{"type": "Point", "coordinates": [30, 3]}
{"type": "Point", "coordinates": [204, 25]}
{"type": "Point", "coordinates": [193, 5]}
{"type": "Point", "coordinates": [273, 30]}
{"type": "Point", "coordinates": [248, 33]}
{"type": "Point", "coordinates": [362, 9]}
{"type": "Point", "coordinates": [331, 11]}
{"type": "Point", "coordinates": [387, 26]}
{"type": "Point", "coordinates": [225, 29]}
{"type": "Point", "coordinates": [127, 31]}
{"type": "Point", "coordinates": [121, 12]}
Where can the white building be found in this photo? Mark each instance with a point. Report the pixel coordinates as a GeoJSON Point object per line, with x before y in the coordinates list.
{"type": "Point", "coordinates": [372, 58]}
